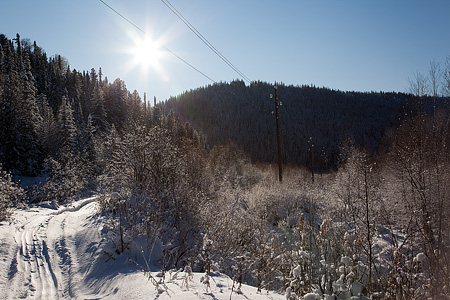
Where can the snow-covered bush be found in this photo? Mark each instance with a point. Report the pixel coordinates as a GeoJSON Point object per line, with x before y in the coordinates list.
{"type": "Point", "coordinates": [10, 193]}
{"type": "Point", "coordinates": [243, 245]}
{"type": "Point", "coordinates": [67, 179]}
{"type": "Point", "coordinates": [321, 274]}
{"type": "Point", "coordinates": [160, 180]}
{"type": "Point", "coordinates": [418, 168]}
{"type": "Point", "coordinates": [358, 206]}
{"type": "Point", "coordinates": [229, 167]}
{"type": "Point", "coordinates": [406, 278]}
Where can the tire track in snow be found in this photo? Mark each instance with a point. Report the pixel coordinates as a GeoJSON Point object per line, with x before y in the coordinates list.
{"type": "Point", "coordinates": [12, 284]}
{"type": "Point", "coordinates": [33, 262]}
{"type": "Point", "coordinates": [39, 254]}
{"type": "Point", "coordinates": [65, 262]}
{"type": "Point", "coordinates": [19, 283]}
{"type": "Point", "coordinates": [61, 238]}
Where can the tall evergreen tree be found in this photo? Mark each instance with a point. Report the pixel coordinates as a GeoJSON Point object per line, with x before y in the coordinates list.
{"type": "Point", "coordinates": [87, 140]}
{"type": "Point", "coordinates": [10, 94]}
{"type": "Point", "coordinates": [55, 82]}
{"type": "Point", "coordinates": [28, 121]}
{"type": "Point", "coordinates": [48, 127]}
{"type": "Point", "coordinates": [39, 66]}
{"type": "Point", "coordinates": [135, 111]}
{"type": "Point", "coordinates": [115, 102]}
{"type": "Point", "coordinates": [157, 113]}
{"type": "Point", "coordinates": [2, 104]}
{"type": "Point", "coordinates": [67, 131]}
{"type": "Point", "coordinates": [74, 89]}
{"type": "Point", "coordinates": [20, 119]}
{"type": "Point", "coordinates": [98, 111]}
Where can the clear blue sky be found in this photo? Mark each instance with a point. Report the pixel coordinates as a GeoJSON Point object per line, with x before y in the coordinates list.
{"type": "Point", "coordinates": [356, 45]}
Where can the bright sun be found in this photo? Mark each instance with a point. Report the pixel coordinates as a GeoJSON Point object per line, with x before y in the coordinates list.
{"type": "Point", "coordinates": [146, 53]}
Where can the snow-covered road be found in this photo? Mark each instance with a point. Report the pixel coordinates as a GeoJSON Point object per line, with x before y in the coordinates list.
{"type": "Point", "coordinates": [41, 249]}
{"type": "Point", "coordinates": [63, 254]}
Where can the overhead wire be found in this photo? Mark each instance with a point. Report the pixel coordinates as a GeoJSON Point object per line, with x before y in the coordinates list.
{"type": "Point", "coordinates": [214, 49]}
{"type": "Point", "coordinates": [204, 40]}
{"type": "Point", "coordinates": [175, 11]}
{"type": "Point", "coordinates": [162, 46]}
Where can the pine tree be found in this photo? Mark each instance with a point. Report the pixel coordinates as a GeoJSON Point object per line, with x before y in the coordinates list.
{"type": "Point", "coordinates": [47, 131]}
{"type": "Point", "coordinates": [29, 122]}
{"type": "Point", "coordinates": [20, 117]}
{"type": "Point", "coordinates": [135, 112]}
{"type": "Point", "coordinates": [67, 131]}
{"type": "Point", "coordinates": [87, 140]}
{"type": "Point", "coordinates": [100, 75]}
{"type": "Point", "coordinates": [39, 66]}
{"type": "Point", "coordinates": [55, 82]}
{"type": "Point", "coordinates": [98, 112]}
{"type": "Point", "coordinates": [110, 158]}
{"type": "Point", "coordinates": [3, 104]}
{"type": "Point", "coordinates": [115, 102]}
{"type": "Point", "coordinates": [148, 112]}
{"type": "Point", "coordinates": [74, 89]}
{"type": "Point", "coordinates": [157, 113]}
{"type": "Point", "coordinates": [171, 124]}
{"type": "Point", "coordinates": [10, 94]}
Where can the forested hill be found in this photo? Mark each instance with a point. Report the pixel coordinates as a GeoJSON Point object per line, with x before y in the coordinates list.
{"type": "Point", "coordinates": [48, 110]}
{"type": "Point", "coordinates": [244, 114]}
{"type": "Point", "coordinates": [54, 118]}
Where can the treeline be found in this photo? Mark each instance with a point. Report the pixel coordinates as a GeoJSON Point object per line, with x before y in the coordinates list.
{"type": "Point", "coordinates": [48, 110]}
{"type": "Point", "coordinates": [66, 125]}
{"type": "Point", "coordinates": [314, 121]}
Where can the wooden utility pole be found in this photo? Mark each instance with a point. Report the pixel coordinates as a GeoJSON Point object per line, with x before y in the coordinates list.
{"type": "Point", "coordinates": [311, 153]}
{"type": "Point", "coordinates": [280, 167]}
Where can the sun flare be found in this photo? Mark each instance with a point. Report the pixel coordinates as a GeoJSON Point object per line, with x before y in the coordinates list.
{"type": "Point", "coordinates": [146, 53]}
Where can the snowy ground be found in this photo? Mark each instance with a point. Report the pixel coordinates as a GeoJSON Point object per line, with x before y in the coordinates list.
{"type": "Point", "coordinates": [60, 254]}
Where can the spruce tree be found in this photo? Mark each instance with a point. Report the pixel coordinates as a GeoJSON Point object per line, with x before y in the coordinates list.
{"type": "Point", "coordinates": [115, 102]}
{"type": "Point", "coordinates": [67, 131]}
{"type": "Point", "coordinates": [2, 103]}
{"type": "Point", "coordinates": [157, 113]}
{"type": "Point", "coordinates": [39, 66]}
{"type": "Point", "coordinates": [135, 112]}
{"type": "Point", "coordinates": [98, 112]}
{"type": "Point", "coordinates": [87, 140]}
{"type": "Point", "coordinates": [28, 122]}
{"type": "Point", "coordinates": [10, 94]}
{"type": "Point", "coordinates": [47, 131]}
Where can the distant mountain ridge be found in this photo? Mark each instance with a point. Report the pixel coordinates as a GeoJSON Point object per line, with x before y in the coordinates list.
{"type": "Point", "coordinates": [242, 114]}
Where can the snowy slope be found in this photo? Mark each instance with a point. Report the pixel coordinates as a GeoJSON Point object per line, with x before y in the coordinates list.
{"type": "Point", "coordinates": [60, 254]}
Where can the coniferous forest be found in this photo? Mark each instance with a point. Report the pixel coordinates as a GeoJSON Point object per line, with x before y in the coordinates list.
{"type": "Point", "coordinates": [362, 208]}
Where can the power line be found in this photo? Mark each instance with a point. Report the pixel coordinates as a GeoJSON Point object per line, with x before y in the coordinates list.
{"type": "Point", "coordinates": [162, 46]}
{"type": "Point", "coordinates": [207, 43]}
{"type": "Point", "coordinates": [184, 61]}
{"type": "Point", "coordinates": [203, 39]}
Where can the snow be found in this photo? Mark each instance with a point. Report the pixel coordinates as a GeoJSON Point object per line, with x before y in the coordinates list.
{"type": "Point", "coordinates": [50, 252]}
{"type": "Point", "coordinates": [346, 260]}
{"type": "Point", "coordinates": [420, 257]}
{"type": "Point", "coordinates": [297, 271]}
{"type": "Point", "coordinates": [356, 288]}
{"type": "Point", "coordinates": [311, 296]}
